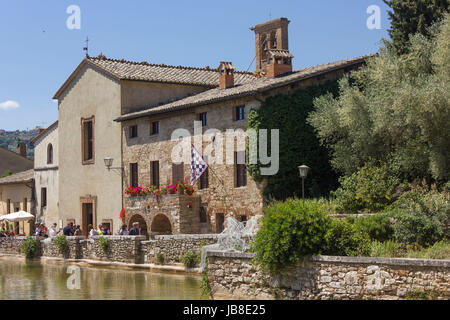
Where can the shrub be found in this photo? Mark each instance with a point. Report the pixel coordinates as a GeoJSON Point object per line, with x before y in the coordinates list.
{"type": "Point", "coordinates": [28, 247]}
{"type": "Point", "coordinates": [61, 243]}
{"type": "Point", "coordinates": [440, 250]}
{"type": "Point", "coordinates": [190, 259]}
{"type": "Point", "coordinates": [379, 227]}
{"type": "Point", "coordinates": [290, 230]}
{"type": "Point", "coordinates": [104, 243]}
{"type": "Point", "coordinates": [205, 285]}
{"type": "Point", "coordinates": [160, 258]}
{"type": "Point", "coordinates": [344, 239]}
{"type": "Point", "coordinates": [371, 187]}
{"type": "Point", "coordinates": [421, 216]}
{"type": "Point", "coordinates": [388, 249]}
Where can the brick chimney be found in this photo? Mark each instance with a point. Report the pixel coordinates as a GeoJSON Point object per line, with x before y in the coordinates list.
{"type": "Point", "coordinates": [22, 148]}
{"type": "Point", "coordinates": [279, 62]}
{"type": "Point", "coordinates": [226, 77]}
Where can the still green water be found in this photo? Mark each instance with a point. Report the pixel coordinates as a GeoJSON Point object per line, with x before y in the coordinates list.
{"type": "Point", "coordinates": [33, 280]}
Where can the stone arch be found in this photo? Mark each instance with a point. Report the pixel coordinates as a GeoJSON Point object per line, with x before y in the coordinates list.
{"type": "Point", "coordinates": [161, 225]}
{"type": "Point", "coordinates": [142, 223]}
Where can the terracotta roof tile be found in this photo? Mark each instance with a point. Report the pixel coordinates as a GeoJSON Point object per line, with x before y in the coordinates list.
{"type": "Point", "coordinates": [241, 90]}
{"type": "Point", "coordinates": [20, 177]}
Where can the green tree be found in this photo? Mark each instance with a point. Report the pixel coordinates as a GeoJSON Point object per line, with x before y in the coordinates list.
{"type": "Point", "coordinates": [396, 109]}
{"type": "Point", "coordinates": [409, 17]}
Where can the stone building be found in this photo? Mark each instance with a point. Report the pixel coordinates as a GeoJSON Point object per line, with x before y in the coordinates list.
{"type": "Point", "coordinates": [17, 193]}
{"type": "Point", "coordinates": [224, 190]}
{"type": "Point", "coordinates": [46, 175]}
{"type": "Point", "coordinates": [125, 112]}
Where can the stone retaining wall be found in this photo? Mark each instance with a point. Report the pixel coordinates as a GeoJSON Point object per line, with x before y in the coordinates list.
{"type": "Point", "coordinates": [75, 251]}
{"type": "Point", "coordinates": [121, 249]}
{"type": "Point", "coordinates": [11, 245]}
{"type": "Point", "coordinates": [173, 246]}
{"type": "Point", "coordinates": [233, 275]}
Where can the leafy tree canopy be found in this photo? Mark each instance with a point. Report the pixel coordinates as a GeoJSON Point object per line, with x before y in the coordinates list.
{"type": "Point", "coordinates": [409, 17]}
{"type": "Point", "coordinates": [395, 108]}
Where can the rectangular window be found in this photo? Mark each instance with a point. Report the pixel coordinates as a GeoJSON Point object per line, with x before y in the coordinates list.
{"type": "Point", "coordinates": [87, 126]}
{"type": "Point", "coordinates": [8, 205]}
{"type": "Point", "coordinates": [133, 131]}
{"type": "Point", "coordinates": [43, 197]}
{"type": "Point", "coordinates": [134, 182]}
{"type": "Point", "coordinates": [239, 113]}
{"type": "Point", "coordinates": [203, 119]}
{"type": "Point", "coordinates": [25, 204]}
{"type": "Point", "coordinates": [203, 215]}
{"type": "Point", "coordinates": [240, 170]}
{"type": "Point", "coordinates": [154, 174]}
{"type": "Point", "coordinates": [154, 128]}
{"type": "Point", "coordinates": [204, 178]}
{"type": "Point", "coordinates": [177, 172]}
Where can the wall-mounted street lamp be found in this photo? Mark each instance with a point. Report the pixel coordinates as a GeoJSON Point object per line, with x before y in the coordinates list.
{"type": "Point", "coordinates": [108, 163]}
{"type": "Point", "coordinates": [303, 170]}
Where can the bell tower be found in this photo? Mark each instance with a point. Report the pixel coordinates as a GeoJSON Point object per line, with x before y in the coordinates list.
{"type": "Point", "coordinates": [270, 35]}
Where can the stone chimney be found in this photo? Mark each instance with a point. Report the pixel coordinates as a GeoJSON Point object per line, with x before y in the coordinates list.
{"type": "Point", "coordinates": [22, 148]}
{"type": "Point", "coordinates": [226, 75]}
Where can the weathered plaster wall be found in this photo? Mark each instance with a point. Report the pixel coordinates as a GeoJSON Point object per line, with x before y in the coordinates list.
{"type": "Point", "coordinates": [90, 94]}
{"type": "Point", "coordinates": [233, 275]}
{"type": "Point", "coordinates": [16, 193]}
{"type": "Point", "coordinates": [46, 176]}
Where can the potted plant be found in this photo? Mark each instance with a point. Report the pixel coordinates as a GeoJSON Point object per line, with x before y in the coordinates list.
{"type": "Point", "coordinates": [171, 188]}
{"type": "Point", "coordinates": [122, 215]}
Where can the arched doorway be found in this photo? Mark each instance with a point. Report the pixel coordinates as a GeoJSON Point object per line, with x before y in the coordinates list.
{"type": "Point", "coordinates": [142, 224]}
{"type": "Point", "coordinates": [161, 225]}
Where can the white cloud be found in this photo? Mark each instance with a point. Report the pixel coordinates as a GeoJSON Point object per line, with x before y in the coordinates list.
{"type": "Point", "coordinates": [9, 105]}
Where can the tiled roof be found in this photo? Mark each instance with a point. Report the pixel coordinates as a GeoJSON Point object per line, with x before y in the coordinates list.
{"type": "Point", "coordinates": [20, 177]}
{"type": "Point", "coordinates": [251, 88]}
{"type": "Point", "coordinates": [144, 71]}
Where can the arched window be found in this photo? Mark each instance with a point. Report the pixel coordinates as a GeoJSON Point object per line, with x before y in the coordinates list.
{"type": "Point", "coordinates": [49, 154]}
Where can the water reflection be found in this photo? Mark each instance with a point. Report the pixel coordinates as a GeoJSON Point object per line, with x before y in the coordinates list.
{"type": "Point", "coordinates": [33, 280]}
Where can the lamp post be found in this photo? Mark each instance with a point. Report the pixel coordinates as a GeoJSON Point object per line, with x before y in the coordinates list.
{"type": "Point", "coordinates": [303, 170]}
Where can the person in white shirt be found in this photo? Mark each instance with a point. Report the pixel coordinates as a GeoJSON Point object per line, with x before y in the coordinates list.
{"type": "Point", "coordinates": [92, 231]}
{"type": "Point", "coordinates": [52, 231]}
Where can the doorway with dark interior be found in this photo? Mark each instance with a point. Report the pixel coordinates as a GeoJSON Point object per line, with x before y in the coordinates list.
{"type": "Point", "coordinates": [87, 217]}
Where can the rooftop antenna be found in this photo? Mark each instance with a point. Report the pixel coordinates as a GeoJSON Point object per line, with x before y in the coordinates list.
{"type": "Point", "coordinates": [87, 47]}
{"type": "Point", "coordinates": [270, 15]}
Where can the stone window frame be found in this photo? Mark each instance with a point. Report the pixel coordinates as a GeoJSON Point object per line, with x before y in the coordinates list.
{"type": "Point", "coordinates": [154, 125]}
{"type": "Point", "coordinates": [84, 159]}
{"type": "Point", "coordinates": [237, 168]}
{"type": "Point", "coordinates": [134, 174]}
{"type": "Point", "coordinates": [133, 131]}
{"type": "Point", "coordinates": [49, 153]}
{"type": "Point", "coordinates": [43, 197]}
{"type": "Point", "coordinates": [83, 200]}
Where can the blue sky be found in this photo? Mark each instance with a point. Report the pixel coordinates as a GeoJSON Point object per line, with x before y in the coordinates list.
{"type": "Point", "coordinates": [38, 52]}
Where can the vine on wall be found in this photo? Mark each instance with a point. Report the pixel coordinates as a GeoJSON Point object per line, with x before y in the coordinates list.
{"type": "Point", "coordinates": [298, 144]}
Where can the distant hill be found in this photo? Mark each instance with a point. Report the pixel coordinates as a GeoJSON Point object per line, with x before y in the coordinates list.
{"type": "Point", "coordinates": [9, 139]}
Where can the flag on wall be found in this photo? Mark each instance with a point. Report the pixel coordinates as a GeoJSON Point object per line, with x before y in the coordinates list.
{"type": "Point", "coordinates": [198, 165]}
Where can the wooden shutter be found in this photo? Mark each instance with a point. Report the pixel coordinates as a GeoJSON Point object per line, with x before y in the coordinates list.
{"type": "Point", "coordinates": [240, 170]}
{"type": "Point", "coordinates": [177, 172]}
{"type": "Point", "coordinates": [155, 173]}
{"type": "Point", "coordinates": [134, 175]}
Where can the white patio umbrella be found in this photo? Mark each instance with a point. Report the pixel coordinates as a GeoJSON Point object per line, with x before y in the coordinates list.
{"type": "Point", "coordinates": [18, 216]}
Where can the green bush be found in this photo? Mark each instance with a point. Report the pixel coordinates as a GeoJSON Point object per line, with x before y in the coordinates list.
{"type": "Point", "coordinates": [379, 227]}
{"type": "Point", "coordinates": [344, 239]}
{"type": "Point", "coordinates": [190, 259]}
{"type": "Point", "coordinates": [290, 230]}
{"type": "Point", "coordinates": [388, 249]}
{"type": "Point", "coordinates": [205, 285]}
{"type": "Point", "coordinates": [440, 250]}
{"type": "Point", "coordinates": [421, 216]}
{"type": "Point", "coordinates": [104, 243]}
{"type": "Point", "coordinates": [370, 188]}
{"type": "Point", "coordinates": [61, 243]}
{"type": "Point", "coordinates": [28, 247]}
{"type": "Point", "coordinates": [160, 258]}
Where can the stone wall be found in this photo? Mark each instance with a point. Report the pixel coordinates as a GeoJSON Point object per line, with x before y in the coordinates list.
{"type": "Point", "coordinates": [173, 246]}
{"type": "Point", "coordinates": [233, 275]}
{"type": "Point", "coordinates": [11, 245]}
{"type": "Point", "coordinates": [49, 249]}
{"type": "Point", "coordinates": [180, 211]}
{"type": "Point", "coordinates": [121, 249]}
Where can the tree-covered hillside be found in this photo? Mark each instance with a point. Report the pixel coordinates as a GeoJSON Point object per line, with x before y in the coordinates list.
{"type": "Point", "coordinates": [9, 139]}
